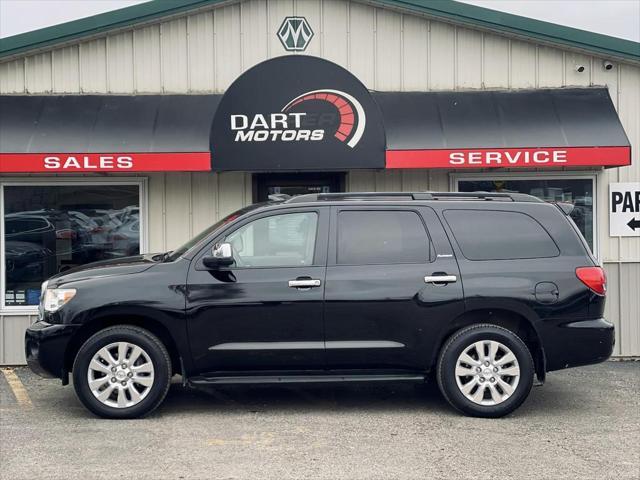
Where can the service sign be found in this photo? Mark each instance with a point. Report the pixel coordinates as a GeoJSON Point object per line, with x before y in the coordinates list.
{"type": "Point", "coordinates": [297, 113]}
{"type": "Point", "coordinates": [624, 209]}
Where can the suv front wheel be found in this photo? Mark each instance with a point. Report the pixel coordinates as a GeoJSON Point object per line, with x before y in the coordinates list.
{"type": "Point", "coordinates": [122, 372]}
{"type": "Point", "coordinates": [485, 371]}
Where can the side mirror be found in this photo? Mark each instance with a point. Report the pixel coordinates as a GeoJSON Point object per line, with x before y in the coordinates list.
{"type": "Point", "coordinates": [221, 256]}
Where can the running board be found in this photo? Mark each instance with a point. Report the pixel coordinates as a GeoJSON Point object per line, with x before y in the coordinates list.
{"type": "Point", "coordinates": [270, 379]}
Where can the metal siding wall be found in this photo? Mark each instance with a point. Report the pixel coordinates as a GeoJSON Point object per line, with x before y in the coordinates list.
{"type": "Point", "coordinates": [147, 73]}
{"type": "Point", "coordinates": [93, 66]}
{"type": "Point", "coordinates": [387, 50]}
{"type": "Point", "coordinates": [12, 329]}
{"type": "Point", "coordinates": [66, 70]}
{"type": "Point", "coordinates": [12, 76]}
{"type": "Point", "coordinates": [120, 63]}
{"type": "Point", "coordinates": [175, 67]}
{"type": "Point", "coordinates": [200, 41]}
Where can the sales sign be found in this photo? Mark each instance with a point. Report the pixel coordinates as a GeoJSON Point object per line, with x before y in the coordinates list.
{"type": "Point", "coordinates": [624, 209]}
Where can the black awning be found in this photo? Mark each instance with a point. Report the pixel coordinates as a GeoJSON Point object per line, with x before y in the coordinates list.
{"type": "Point", "coordinates": [473, 129]}
{"type": "Point", "coordinates": [567, 117]}
{"type": "Point", "coordinates": [106, 123]}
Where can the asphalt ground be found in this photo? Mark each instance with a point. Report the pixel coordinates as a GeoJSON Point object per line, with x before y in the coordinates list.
{"type": "Point", "coordinates": [582, 424]}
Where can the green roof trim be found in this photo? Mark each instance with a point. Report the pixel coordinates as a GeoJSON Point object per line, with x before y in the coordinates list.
{"type": "Point", "coordinates": [448, 10]}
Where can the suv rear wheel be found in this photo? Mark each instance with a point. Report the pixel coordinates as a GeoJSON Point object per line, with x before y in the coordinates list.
{"type": "Point", "coordinates": [485, 371]}
{"type": "Point", "coordinates": [122, 372]}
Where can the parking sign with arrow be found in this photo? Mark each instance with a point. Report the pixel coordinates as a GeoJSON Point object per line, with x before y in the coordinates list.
{"type": "Point", "coordinates": [624, 209]}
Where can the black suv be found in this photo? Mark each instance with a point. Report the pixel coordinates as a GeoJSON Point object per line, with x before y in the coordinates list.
{"type": "Point", "coordinates": [480, 290]}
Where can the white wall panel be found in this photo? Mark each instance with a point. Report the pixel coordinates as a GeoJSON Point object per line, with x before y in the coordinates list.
{"type": "Point", "coordinates": [12, 76]}
{"type": "Point", "coordinates": [228, 50]}
{"type": "Point", "coordinates": [523, 64]}
{"type": "Point", "coordinates": [120, 64]}
{"type": "Point", "coordinates": [415, 53]}
{"type": "Point", "coordinates": [173, 47]}
{"type": "Point", "coordinates": [442, 56]}
{"type": "Point", "coordinates": [200, 44]}
{"type": "Point", "coordinates": [468, 58]}
{"type": "Point", "coordinates": [496, 61]}
{"type": "Point", "coordinates": [253, 17]}
{"type": "Point", "coordinates": [12, 328]}
{"type": "Point", "coordinates": [388, 62]}
{"type": "Point", "coordinates": [362, 43]}
{"type": "Point", "coordinates": [66, 70]}
{"type": "Point", "coordinates": [38, 73]}
{"type": "Point", "coordinates": [550, 67]}
{"type": "Point", "coordinates": [93, 66]}
{"type": "Point", "coordinates": [146, 53]}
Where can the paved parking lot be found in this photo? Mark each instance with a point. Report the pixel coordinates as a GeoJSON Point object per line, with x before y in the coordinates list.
{"type": "Point", "coordinates": [583, 424]}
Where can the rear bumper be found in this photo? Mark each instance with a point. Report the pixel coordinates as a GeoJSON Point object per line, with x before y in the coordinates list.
{"type": "Point", "coordinates": [578, 343]}
{"type": "Point", "coordinates": [45, 345]}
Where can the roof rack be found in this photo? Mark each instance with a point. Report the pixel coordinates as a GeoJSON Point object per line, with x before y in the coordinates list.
{"type": "Point", "coordinates": [317, 197]}
{"type": "Point", "coordinates": [279, 197]}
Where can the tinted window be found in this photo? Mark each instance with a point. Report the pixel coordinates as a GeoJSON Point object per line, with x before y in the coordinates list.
{"type": "Point", "coordinates": [278, 241]}
{"type": "Point", "coordinates": [51, 228]}
{"type": "Point", "coordinates": [368, 237]}
{"type": "Point", "coordinates": [579, 192]}
{"type": "Point", "coordinates": [499, 235]}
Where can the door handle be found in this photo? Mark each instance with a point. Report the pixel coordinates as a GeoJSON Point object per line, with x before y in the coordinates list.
{"type": "Point", "coordinates": [304, 283]}
{"type": "Point", "coordinates": [440, 279]}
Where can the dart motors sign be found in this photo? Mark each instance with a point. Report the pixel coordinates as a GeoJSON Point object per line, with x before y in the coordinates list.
{"type": "Point", "coordinates": [297, 113]}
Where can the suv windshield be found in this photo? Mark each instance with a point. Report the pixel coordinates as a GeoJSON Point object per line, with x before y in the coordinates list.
{"type": "Point", "coordinates": [181, 250]}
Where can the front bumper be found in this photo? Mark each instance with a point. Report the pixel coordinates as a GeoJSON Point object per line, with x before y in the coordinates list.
{"type": "Point", "coordinates": [45, 345]}
{"type": "Point", "coordinates": [577, 343]}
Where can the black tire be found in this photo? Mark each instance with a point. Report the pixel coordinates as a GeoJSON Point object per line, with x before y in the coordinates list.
{"type": "Point", "coordinates": [158, 356]}
{"type": "Point", "coordinates": [462, 340]}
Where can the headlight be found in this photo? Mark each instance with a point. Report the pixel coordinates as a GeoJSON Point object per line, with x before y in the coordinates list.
{"type": "Point", "coordinates": [54, 298]}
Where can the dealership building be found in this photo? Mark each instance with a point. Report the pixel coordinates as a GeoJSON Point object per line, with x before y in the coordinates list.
{"type": "Point", "coordinates": [133, 130]}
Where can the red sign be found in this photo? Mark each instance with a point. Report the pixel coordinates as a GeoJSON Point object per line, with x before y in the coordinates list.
{"type": "Point", "coordinates": [104, 162]}
{"type": "Point", "coordinates": [510, 157]}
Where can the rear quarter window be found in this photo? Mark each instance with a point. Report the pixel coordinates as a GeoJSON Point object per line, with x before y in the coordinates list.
{"type": "Point", "coordinates": [499, 235]}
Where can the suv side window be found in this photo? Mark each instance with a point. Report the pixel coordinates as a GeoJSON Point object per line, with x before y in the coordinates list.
{"type": "Point", "coordinates": [368, 237]}
{"type": "Point", "coordinates": [499, 235]}
{"type": "Point", "coordinates": [286, 240]}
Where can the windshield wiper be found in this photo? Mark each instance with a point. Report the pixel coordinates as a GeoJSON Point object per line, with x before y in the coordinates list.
{"type": "Point", "coordinates": [161, 257]}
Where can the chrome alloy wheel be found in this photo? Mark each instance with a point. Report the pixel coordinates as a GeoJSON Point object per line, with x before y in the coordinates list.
{"type": "Point", "coordinates": [487, 372]}
{"type": "Point", "coordinates": [120, 375]}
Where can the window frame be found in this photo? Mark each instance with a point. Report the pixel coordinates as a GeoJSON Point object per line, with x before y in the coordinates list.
{"type": "Point", "coordinates": [333, 253]}
{"type": "Point", "coordinates": [140, 182]}
{"type": "Point", "coordinates": [456, 178]}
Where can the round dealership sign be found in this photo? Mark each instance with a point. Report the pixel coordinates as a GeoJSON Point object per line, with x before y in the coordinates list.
{"type": "Point", "coordinates": [297, 113]}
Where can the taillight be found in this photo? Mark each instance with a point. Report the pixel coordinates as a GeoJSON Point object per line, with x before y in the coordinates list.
{"type": "Point", "coordinates": [594, 278]}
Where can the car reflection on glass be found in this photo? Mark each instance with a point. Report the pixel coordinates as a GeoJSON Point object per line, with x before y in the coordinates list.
{"type": "Point", "coordinates": [125, 239]}
{"type": "Point", "coordinates": [26, 261]}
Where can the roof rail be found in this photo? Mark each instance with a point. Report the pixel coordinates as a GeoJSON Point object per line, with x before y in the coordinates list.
{"type": "Point", "coordinates": [499, 196]}
{"type": "Point", "coordinates": [279, 197]}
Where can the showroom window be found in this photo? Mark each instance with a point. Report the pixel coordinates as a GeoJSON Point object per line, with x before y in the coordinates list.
{"type": "Point", "coordinates": [48, 229]}
{"type": "Point", "coordinates": [578, 191]}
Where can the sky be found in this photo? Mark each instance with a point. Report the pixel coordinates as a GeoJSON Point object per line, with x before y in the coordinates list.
{"type": "Point", "coordinates": [618, 18]}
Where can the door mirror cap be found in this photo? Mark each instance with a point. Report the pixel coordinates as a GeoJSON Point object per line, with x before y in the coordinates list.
{"type": "Point", "coordinates": [221, 256]}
